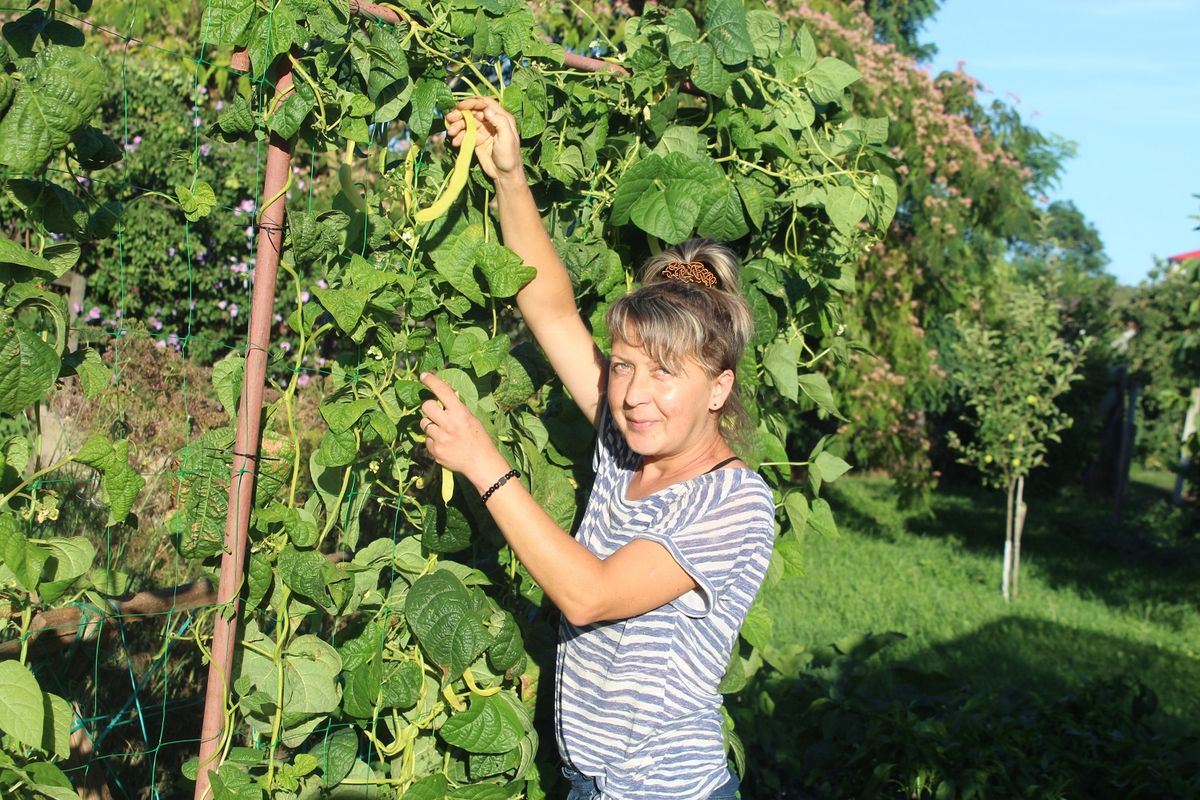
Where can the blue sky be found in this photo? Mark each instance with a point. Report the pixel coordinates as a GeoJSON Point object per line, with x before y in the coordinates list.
{"type": "Point", "coordinates": [1121, 79]}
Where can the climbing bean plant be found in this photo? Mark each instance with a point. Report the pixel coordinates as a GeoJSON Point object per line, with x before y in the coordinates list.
{"type": "Point", "coordinates": [391, 640]}
{"type": "Point", "coordinates": [49, 90]}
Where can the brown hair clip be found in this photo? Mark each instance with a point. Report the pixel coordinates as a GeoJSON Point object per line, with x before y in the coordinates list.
{"type": "Point", "coordinates": [690, 272]}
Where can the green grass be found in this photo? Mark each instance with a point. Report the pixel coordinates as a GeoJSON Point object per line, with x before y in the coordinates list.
{"type": "Point", "coordinates": [1098, 597]}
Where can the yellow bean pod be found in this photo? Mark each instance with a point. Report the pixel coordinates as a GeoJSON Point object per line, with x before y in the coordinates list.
{"type": "Point", "coordinates": [474, 687]}
{"type": "Point", "coordinates": [458, 178]}
{"type": "Point", "coordinates": [453, 700]}
{"type": "Point", "coordinates": [410, 173]}
{"type": "Point", "coordinates": [345, 179]}
{"type": "Point", "coordinates": [447, 486]}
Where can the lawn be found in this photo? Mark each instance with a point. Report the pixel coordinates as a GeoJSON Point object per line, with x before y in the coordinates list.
{"type": "Point", "coordinates": [1098, 598]}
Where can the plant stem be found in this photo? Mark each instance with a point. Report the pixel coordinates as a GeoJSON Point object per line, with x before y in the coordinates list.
{"type": "Point", "coordinates": [281, 635]}
{"type": "Point", "coordinates": [34, 477]}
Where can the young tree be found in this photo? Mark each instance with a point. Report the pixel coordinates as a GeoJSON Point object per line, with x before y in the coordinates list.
{"type": "Point", "coordinates": [1009, 366]}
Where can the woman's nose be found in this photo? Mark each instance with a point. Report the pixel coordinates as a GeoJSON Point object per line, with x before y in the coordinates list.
{"type": "Point", "coordinates": [638, 388]}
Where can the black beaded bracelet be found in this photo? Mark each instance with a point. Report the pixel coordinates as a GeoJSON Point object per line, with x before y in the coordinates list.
{"type": "Point", "coordinates": [505, 478]}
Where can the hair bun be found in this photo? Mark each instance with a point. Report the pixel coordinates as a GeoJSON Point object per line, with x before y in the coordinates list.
{"type": "Point", "coordinates": [690, 272]}
{"type": "Point", "coordinates": [704, 262]}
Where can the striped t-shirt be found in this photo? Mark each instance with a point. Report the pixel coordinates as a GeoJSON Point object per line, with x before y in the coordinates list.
{"type": "Point", "coordinates": [636, 699]}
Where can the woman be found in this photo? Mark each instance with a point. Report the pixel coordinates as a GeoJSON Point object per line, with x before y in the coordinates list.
{"type": "Point", "coordinates": [677, 533]}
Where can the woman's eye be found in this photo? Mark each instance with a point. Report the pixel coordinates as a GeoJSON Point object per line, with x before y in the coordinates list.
{"type": "Point", "coordinates": [619, 367]}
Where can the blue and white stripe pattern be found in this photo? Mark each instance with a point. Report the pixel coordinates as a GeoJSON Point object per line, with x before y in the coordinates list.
{"type": "Point", "coordinates": [636, 700]}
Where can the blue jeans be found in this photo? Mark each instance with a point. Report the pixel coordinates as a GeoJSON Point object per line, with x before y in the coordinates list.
{"type": "Point", "coordinates": [584, 788]}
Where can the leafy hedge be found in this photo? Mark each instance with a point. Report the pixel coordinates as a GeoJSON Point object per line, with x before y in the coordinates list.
{"type": "Point", "coordinates": [846, 727]}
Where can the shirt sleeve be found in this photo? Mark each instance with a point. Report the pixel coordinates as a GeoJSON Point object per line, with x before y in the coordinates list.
{"type": "Point", "coordinates": [721, 534]}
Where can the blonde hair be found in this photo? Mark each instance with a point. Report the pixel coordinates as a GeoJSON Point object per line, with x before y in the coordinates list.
{"type": "Point", "coordinates": [674, 315]}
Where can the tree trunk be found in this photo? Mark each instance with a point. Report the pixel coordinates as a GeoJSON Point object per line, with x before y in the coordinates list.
{"type": "Point", "coordinates": [1006, 570]}
{"type": "Point", "coordinates": [1128, 436]}
{"type": "Point", "coordinates": [1185, 458]}
{"type": "Point", "coordinates": [1018, 529]}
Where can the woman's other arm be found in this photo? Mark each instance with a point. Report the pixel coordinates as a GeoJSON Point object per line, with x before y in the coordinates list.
{"type": "Point", "coordinates": [548, 301]}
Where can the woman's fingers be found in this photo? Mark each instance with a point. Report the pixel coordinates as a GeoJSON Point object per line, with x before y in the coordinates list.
{"type": "Point", "coordinates": [433, 411]}
{"type": "Point", "coordinates": [442, 391]}
{"type": "Point", "coordinates": [453, 435]}
{"type": "Point", "coordinates": [478, 103]}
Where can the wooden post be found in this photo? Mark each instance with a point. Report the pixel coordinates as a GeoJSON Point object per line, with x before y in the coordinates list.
{"type": "Point", "coordinates": [76, 286]}
{"type": "Point", "coordinates": [246, 445]}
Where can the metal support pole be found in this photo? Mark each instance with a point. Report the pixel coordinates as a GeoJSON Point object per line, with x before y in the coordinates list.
{"type": "Point", "coordinates": [246, 444]}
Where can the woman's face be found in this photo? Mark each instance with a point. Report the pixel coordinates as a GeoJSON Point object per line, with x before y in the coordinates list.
{"type": "Point", "coordinates": [664, 414]}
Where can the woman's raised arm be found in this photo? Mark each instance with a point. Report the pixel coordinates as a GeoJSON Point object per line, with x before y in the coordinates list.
{"type": "Point", "coordinates": [548, 301]}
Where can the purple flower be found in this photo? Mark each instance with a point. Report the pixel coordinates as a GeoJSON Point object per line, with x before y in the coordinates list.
{"type": "Point", "coordinates": [322, 283]}
{"type": "Point", "coordinates": [305, 297]}
{"type": "Point", "coordinates": [94, 313]}
{"type": "Point", "coordinates": [221, 304]}
{"type": "Point", "coordinates": [285, 346]}
{"type": "Point", "coordinates": [205, 149]}
{"type": "Point", "coordinates": [303, 379]}
{"type": "Point", "coordinates": [171, 252]}
{"type": "Point", "coordinates": [233, 310]}
{"type": "Point", "coordinates": [156, 323]}
{"type": "Point", "coordinates": [246, 206]}
{"type": "Point", "coordinates": [76, 308]}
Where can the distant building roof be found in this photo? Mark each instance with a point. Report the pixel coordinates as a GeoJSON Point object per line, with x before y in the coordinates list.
{"type": "Point", "coordinates": [1184, 257]}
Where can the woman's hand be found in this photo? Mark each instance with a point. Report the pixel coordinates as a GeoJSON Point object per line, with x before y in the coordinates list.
{"type": "Point", "coordinates": [497, 144]}
{"type": "Point", "coordinates": [456, 438]}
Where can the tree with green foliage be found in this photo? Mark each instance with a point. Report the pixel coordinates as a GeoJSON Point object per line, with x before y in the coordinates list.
{"type": "Point", "coordinates": [1164, 352]}
{"type": "Point", "coordinates": [1010, 365]}
{"type": "Point", "coordinates": [1066, 257]}
{"type": "Point", "coordinates": [899, 22]}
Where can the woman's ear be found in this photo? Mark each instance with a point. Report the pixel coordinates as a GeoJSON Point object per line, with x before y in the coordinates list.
{"type": "Point", "coordinates": [722, 386]}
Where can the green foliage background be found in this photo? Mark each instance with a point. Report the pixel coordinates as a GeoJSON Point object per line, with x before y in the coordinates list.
{"type": "Point", "coordinates": [390, 639]}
